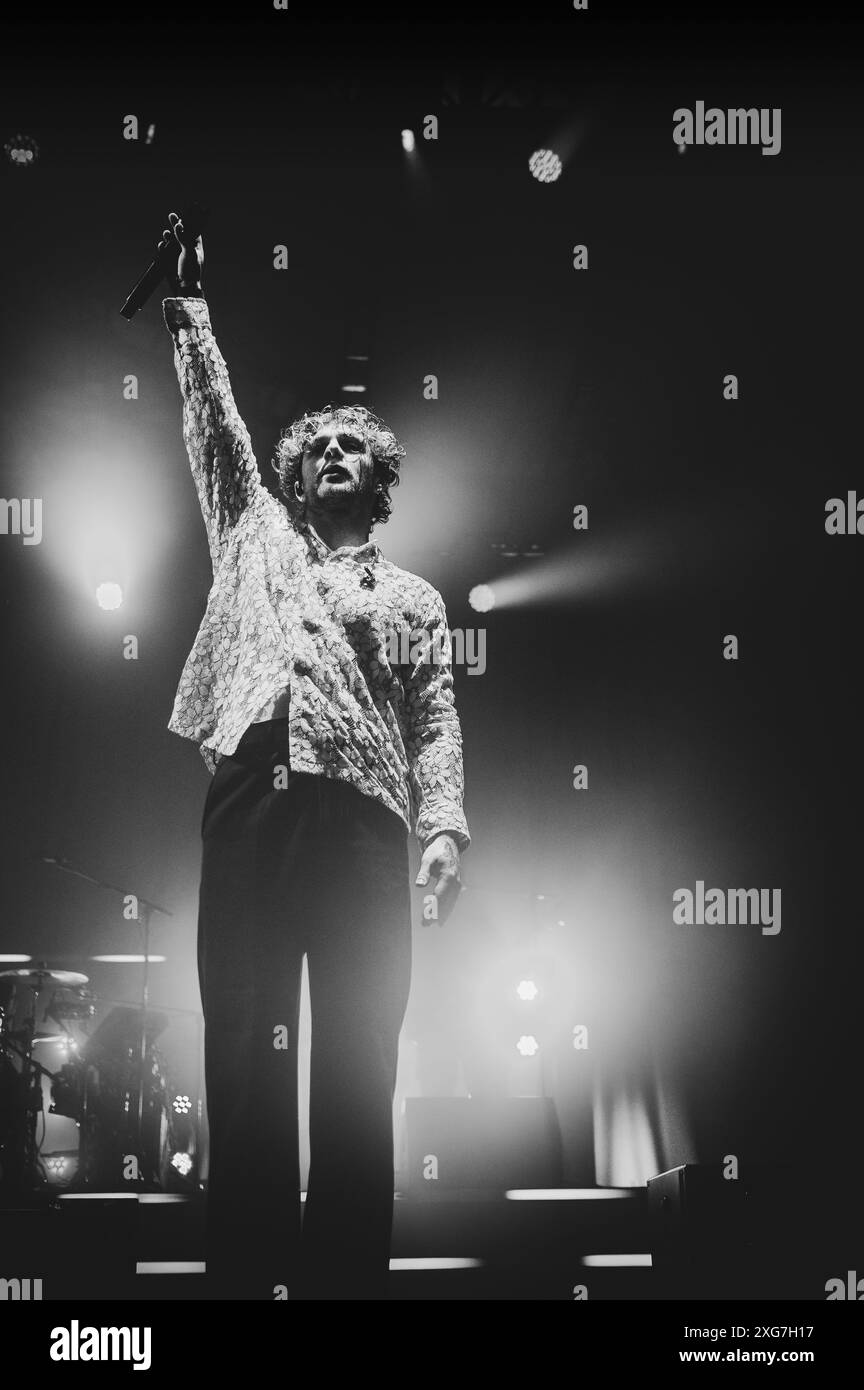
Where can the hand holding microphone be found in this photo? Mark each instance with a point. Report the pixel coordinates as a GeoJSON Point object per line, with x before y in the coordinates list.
{"type": "Point", "coordinates": [184, 274]}
{"type": "Point", "coordinates": [183, 271]}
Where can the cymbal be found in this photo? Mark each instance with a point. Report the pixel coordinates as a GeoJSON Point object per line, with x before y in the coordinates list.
{"type": "Point", "coordinates": [41, 978]}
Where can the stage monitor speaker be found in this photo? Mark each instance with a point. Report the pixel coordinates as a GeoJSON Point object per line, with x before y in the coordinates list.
{"type": "Point", "coordinates": [715, 1236]}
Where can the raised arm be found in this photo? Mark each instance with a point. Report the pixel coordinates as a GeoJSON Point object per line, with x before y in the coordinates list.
{"type": "Point", "coordinates": [217, 441]}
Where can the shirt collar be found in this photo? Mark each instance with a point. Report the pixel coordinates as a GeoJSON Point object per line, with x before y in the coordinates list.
{"type": "Point", "coordinates": [363, 553]}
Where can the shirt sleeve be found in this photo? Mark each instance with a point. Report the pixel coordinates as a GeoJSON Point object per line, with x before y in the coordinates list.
{"type": "Point", "coordinates": [217, 441]}
{"type": "Point", "coordinates": [434, 744]}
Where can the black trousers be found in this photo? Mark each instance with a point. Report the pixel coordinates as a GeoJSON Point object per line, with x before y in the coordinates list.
{"type": "Point", "coordinates": [315, 868]}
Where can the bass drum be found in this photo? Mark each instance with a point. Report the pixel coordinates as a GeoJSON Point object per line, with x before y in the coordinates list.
{"type": "Point", "coordinates": [113, 1161]}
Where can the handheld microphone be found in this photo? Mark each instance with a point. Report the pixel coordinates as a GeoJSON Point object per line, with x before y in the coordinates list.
{"type": "Point", "coordinates": [152, 277]}
{"type": "Point", "coordinates": [161, 265]}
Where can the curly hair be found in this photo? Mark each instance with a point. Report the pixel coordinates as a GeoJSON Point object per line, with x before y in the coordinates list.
{"type": "Point", "coordinates": [387, 455]}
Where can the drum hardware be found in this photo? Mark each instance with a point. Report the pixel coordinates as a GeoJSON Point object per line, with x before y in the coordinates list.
{"type": "Point", "coordinates": [24, 1074]}
{"type": "Point", "coordinates": [145, 910]}
{"type": "Point", "coordinates": [24, 1088]}
{"type": "Point", "coordinates": [81, 1006]}
{"type": "Point", "coordinates": [95, 1087]}
{"type": "Point", "coordinates": [42, 976]}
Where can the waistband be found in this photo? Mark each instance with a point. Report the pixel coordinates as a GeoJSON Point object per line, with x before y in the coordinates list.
{"type": "Point", "coordinates": [339, 796]}
{"type": "Point", "coordinates": [268, 732]}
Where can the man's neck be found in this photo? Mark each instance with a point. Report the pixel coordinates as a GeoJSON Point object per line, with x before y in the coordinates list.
{"type": "Point", "coordinates": [340, 530]}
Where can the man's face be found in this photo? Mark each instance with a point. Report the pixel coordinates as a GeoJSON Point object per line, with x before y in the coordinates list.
{"type": "Point", "coordinates": [337, 471]}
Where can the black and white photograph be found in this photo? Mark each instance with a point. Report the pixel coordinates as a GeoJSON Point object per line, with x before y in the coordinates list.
{"type": "Point", "coordinates": [431, 547]}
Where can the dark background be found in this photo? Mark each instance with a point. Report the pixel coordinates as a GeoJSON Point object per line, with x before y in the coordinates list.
{"type": "Point", "coordinates": [601, 387]}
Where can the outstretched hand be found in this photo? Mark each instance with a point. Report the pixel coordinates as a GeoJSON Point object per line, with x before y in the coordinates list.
{"type": "Point", "coordinates": [186, 279]}
{"type": "Point", "coordinates": [441, 861]}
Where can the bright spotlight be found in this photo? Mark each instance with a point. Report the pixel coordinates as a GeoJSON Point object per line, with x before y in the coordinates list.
{"type": "Point", "coordinates": [545, 166]}
{"type": "Point", "coordinates": [182, 1104]}
{"type": "Point", "coordinates": [183, 1163]}
{"type": "Point", "coordinates": [526, 989]}
{"type": "Point", "coordinates": [481, 598]}
{"type": "Point", "coordinates": [408, 141]}
{"type": "Point", "coordinates": [527, 1045]}
{"type": "Point", "coordinates": [109, 595]}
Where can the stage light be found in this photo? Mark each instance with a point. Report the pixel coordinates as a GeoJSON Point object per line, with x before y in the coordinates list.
{"type": "Point", "coordinates": [545, 166]}
{"type": "Point", "coordinates": [562, 577]}
{"type": "Point", "coordinates": [129, 960]}
{"type": "Point", "coordinates": [526, 989]}
{"type": "Point", "coordinates": [183, 1162]}
{"type": "Point", "coordinates": [481, 598]}
{"type": "Point", "coordinates": [109, 595]}
{"type": "Point", "coordinates": [170, 1266]}
{"type": "Point", "coordinates": [567, 1194]}
{"type": "Point", "coordinates": [182, 1104]}
{"type": "Point", "coordinates": [352, 387]}
{"type": "Point", "coordinates": [100, 1196]}
{"type": "Point", "coordinates": [616, 1261]}
{"type": "Point", "coordinates": [11, 956]}
{"type": "Point", "coordinates": [109, 525]}
{"type": "Point", "coordinates": [527, 1045]}
{"type": "Point", "coordinates": [408, 142]}
{"type": "Point", "coordinates": [435, 1262]}
{"type": "Point", "coordinates": [22, 151]}
{"type": "Point", "coordinates": [57, 1164]}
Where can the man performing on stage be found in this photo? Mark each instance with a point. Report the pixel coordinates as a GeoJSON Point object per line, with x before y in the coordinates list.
{"type": "Point", "coordinates": [326, 753]}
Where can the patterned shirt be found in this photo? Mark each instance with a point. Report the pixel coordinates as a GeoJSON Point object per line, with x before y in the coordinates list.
{"type": "Point", "coordinates": [288, 615]}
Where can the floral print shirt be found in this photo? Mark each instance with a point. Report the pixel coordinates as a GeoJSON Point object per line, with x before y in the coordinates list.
{"type": "Point", "coordinates": [289, 616]}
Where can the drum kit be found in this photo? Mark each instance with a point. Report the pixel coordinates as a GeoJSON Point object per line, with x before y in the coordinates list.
{"type": "Point", "coordinates": [106, 1082]}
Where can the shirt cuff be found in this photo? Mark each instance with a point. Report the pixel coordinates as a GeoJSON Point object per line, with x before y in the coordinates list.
{"type": "Point", "coordinates": [462, 839]}
{"type": "Point", "coordinates": [182, 312]}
